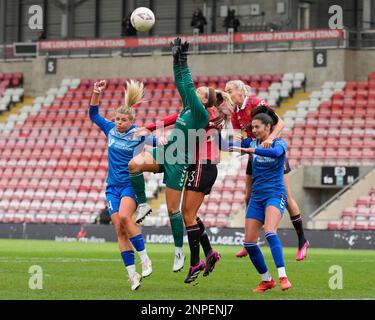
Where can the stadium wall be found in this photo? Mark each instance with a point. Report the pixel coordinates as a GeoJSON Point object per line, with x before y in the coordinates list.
{"type": "Point", "coordinates": [162, 235]}
{"type": "Point", "coordinates": [341, 65]}
{"type": "Point", "coordinates": [313, 194]}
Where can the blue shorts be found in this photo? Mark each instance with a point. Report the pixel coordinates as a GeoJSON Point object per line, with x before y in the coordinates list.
{"type": "Point", "coordinates": [258, 205]}
{"type": "Point", "coordinates": [114, 194]}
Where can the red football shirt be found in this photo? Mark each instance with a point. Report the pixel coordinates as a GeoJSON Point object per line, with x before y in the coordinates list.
{"type": "Point", "coordinates": [209, 149]}
{"type": "Point", "coordinates": [241, 116]}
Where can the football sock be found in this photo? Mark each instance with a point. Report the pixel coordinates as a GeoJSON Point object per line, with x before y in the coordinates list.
{"type": "Point", "coordinates": [205, 242]}
{"type": "Point", "coordinates": [138, 183]}
{"type": "Point", "coordinates": [138, 242]}
{"type": "Point", "coordinates": [281, 271]}
{"type": "Point", "coordinates": [276, 250]}
{"type": "Point", "coordinates": [256, 257]}
{"type": "Point", "coordinates": [298, 226]}
{"type": "Point", "coordinates": [129, 261]}
{"type": "Point", "coordinates": [266, 276]}
{"type": "Point", "coordinates": [177, 226]}
{"type": "Point", "coordinates": [139, 245]}
{"type": "Point", "coordinates": [193, 234]}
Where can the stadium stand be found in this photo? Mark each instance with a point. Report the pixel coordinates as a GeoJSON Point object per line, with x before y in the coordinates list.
{"type": "Point", "coordinates": [335, 127]}
{"type": "Point", "coordinates": [359, 217]}
{"type": "Point", "coordinates": [10, 90]}
{"type": "Point", "coordinates": [54, 133]}
{"type": "Point", "coordinates": [54, 170]}
{"type": "Point", "coordinates": [53, 164]}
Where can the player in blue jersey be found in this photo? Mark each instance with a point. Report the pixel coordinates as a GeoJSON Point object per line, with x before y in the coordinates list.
{"type": "Point", "coordinates": [121, 200]}
{"type": "Point", "coordinates": [268, 199]}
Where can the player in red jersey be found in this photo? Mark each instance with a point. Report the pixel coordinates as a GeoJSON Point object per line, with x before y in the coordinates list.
{"type": "Point", "coordinates": [196, 187]}
{"type": "Point", "coordinates": [201, 177]}
{"type": "Point", "coordinates": [241, 117]}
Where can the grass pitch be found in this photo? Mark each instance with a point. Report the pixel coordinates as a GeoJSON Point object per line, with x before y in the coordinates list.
{"type": "Point", "coordinates": [96, 271]}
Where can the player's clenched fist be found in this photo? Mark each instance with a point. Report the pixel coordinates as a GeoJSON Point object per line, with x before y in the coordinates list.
{"type": "Point", "coordinates": [99, 86]}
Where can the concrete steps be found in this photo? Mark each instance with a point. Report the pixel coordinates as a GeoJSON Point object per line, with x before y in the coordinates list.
{"type": "Point", "coordinates": [15, 109]}
{"type": "Point", "coordinates": [291, 103]}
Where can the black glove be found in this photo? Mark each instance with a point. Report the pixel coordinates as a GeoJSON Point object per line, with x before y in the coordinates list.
{"type": "Point", "coordinates": [176, 49]}
{"type": "Point", "coordinates": [183, 55]}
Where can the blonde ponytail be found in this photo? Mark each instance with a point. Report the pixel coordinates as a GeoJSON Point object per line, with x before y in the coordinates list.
{"type": "Point", "coordinates": [133, 95]}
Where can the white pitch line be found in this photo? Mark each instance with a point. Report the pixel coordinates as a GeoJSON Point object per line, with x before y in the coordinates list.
{"type": "Point", "coordinates": [58, 259]}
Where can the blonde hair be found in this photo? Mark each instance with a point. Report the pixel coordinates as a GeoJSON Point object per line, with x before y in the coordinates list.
{"type": "Point", "coordinates": [240, 85]}
{"type": "Point", "coordinates": [134, 92]}
{"type": "Point", "coordinates": [222, 120]}
{"type": "Point", "coordinates": [224, 97]}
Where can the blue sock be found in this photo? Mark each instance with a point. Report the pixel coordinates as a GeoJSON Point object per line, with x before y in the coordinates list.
{"type": "Point", "coordinates": [138, 242]}
{"type": "Point", "coordinates": [276, 248]}
{"type": "Point", "coordinates": [128, 257]}
{"type": "Point", "coordinates": [256, 256]}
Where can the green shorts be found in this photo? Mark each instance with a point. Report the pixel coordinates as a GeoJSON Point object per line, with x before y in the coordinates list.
{"type": "Point", "coordinates": [174, 174]}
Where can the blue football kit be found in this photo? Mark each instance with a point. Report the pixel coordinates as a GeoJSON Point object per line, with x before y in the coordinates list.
{"type": "Point", "coordinates": [122, 147]}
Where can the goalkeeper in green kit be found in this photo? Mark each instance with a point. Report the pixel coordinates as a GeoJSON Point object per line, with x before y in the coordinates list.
{"type": "Point", "coordinates": [174, 157]}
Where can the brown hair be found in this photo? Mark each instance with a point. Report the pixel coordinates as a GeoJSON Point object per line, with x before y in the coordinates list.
{"type": "Point", "coordinates": [211, 97]}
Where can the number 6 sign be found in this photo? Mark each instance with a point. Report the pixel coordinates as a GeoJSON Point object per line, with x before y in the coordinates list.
{"type": "Point", "coordinates": [320, 58]}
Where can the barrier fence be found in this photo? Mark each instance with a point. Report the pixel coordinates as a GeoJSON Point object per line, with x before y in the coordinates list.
{"type": "Point", "coordinates": [208, 43]}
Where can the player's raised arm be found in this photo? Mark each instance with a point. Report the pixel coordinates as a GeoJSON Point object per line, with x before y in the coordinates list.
{"type": "Point", "coordinates": [176, 51]}
{"type": "Point", "coordinates": [198, 110]}
{"type": "Point", "coordinates": [164, 122]}
{"type": "Point", "coordinates": [94, 115]}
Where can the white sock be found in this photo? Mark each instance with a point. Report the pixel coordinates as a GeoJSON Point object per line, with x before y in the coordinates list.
{"type": "Point", "coordinates": [282, 272]}
{"type": "Point", "coordinates": [266, 276]}
{"type": "Point", "coordinates": [131, 270]}
{"type": "Point", "coordinates": [143, 255]}
{"type": "Point", "coordinates": [178, 250]}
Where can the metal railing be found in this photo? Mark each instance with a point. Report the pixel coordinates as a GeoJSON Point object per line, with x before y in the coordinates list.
{"type": "Point", "coordinates": [201, 44]}
{"type": "Point", "coordinates": [336, 196]}
{"type": "Point", "coordinates": [361, 40]}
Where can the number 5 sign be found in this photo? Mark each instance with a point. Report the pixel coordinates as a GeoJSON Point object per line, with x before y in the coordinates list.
{"type": "Point", "coordinates": [320, 58]}
{"type": "Point", "coordinates": [51, 65]}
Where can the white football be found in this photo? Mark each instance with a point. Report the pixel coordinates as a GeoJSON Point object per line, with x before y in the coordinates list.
{"type": "Point", "coordinates": [142, 19]}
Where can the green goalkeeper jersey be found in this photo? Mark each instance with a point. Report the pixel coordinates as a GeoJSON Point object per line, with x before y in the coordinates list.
{"type": "Point", "coordinates": [194, 116]}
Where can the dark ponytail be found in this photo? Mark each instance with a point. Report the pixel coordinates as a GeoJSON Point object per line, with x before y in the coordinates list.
{"type": "Point", "coordinates": [263, 109]}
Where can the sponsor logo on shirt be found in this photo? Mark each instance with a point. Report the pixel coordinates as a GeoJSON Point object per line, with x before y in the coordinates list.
{"type": "Point", "coordinates": [123, 144]}
{"type": "Point", "coordinates": [262, 159]}
{"type": "Point", "coordinates": [181, 122]}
